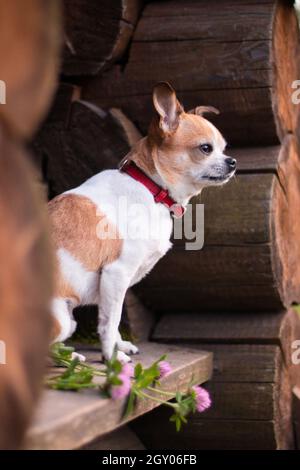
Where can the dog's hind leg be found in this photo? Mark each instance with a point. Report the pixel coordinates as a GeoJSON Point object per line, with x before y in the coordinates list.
{"type": "Point", "coordinates": [63, 325]}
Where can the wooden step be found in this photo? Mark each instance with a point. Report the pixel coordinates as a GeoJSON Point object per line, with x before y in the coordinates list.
{"type": "Point", "coordinates": [70, 420]}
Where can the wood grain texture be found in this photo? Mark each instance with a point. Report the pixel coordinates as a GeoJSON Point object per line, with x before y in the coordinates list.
{"type": "Point", "coordinates": [25, 285]}
{"type": "Point", "coordinates": [140, 320]}
{"type": "Point", "coordinates": [232, 328]}
{"type": "Point", "coordinates": [66, 420]}
{"type": "Point", "coordinates": [210, 435]}
{"type": "Point", "coordinates": [77, 141]}
{"type": "Point", "coordinates": [97, 33]}
{"type": "Point", "coordinates": [233, 62]}
{"type": "Point", "coordinates": [252, 328]}
{"type": "Point", "coordinates": [251, 408]}
{"type": "Point", "coordinates": [223, 298]}
{"type": "Point", "coordinates": [29, 50]}
{"type": "Point", "coordinates": [285, 226]}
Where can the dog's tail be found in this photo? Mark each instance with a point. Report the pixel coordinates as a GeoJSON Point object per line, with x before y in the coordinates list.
{"type": "Point", "coordinates": [131, 132]}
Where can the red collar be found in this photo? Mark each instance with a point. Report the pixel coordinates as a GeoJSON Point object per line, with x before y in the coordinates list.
{"type": "Point", "coordinates": [160, 194]}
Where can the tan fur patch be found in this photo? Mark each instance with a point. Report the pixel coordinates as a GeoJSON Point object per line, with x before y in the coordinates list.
{"type": "Point", "coordinates": [141, 155]}
{"type": "Point", "coordinates": [61, 287]}
{"type": "Point", "coordinates": [76, 223]}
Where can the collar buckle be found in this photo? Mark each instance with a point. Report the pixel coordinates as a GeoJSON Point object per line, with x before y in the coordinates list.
{"type": "Point", "coordinates": [177, 211]}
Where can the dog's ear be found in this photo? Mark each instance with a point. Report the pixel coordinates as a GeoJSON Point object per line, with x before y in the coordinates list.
{"type": "Point", "coordinates": [200, 110]}
{"type": "Point", "coordinates": [167, 106]}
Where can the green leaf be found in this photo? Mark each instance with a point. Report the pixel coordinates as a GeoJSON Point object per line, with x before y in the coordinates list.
{"type": "Point", "coordinates": [115, 381]}
{"type": "Point", "coordinates": [138, 370]}
{"type": "Point", "coordinates": [130, 404]}
{"type": "Point", "coordinates": [178, 423]}
{"type": "Point", "coordinates": [183, 419]}
{"type": "Point", "coordinates": [117, 366]}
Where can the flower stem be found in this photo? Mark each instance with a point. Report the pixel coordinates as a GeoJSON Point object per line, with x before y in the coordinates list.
{"type": "Point", "coordinates": [150, 397]}
{"type": "Point", "coordinates": [161, 392]}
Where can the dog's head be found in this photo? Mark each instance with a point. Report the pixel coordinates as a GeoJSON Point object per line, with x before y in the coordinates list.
{"type": "Point", "coordinates": [187, 149]}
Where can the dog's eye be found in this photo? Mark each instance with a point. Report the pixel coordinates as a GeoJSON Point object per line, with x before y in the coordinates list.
{"type": "Point", "coordinates": [206, 148]}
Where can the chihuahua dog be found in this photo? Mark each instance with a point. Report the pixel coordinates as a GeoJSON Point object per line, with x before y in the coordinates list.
{"type": "Point", "coordinates": [97, 260]}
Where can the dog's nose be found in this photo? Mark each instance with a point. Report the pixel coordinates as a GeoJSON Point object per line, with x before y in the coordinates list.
{"type": "Point", "coordinates": [231, 162]}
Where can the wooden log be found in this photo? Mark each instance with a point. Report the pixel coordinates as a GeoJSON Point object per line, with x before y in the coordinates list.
{"type": "Point", "coordinates": [77, 140]}
{"type": "Point", "coordinates": [66, 420]}
{"type": "Point", "coordinates": [97, 33]}
{"type": "Point", "coordinates": [259, 402]}
{"type": "Point", "coordinates": [25, 286]}
{"type": "Point", "coordinates": [232, 328]}
{"type": "Point", "coordinates": [252, 381]}
{"type": "Point", "coordinates": [140, 320]}
{"type": "Point", "coordinates": [251, 250]}
{"type": "Point", "coordinates": [29, 47]}
{"type": "Point", "coordinates": [241, 58]}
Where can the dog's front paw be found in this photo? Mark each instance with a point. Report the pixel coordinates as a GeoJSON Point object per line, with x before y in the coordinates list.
{"type": "Point", "coordinates": [122, 357]}
{"type": "Point", "coordinates": [127, 347]}
{"type": "Point", "coordinates": [78, 356]}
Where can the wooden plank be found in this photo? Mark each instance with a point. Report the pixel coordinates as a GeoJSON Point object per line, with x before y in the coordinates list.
{"type": "Point", "coordinates": [280, 328]}
{"type": "Point", "coordinates": [122, 439]}
{"type": "Point", "coordinates": [67, 420]}
{"type": "Point", "coordinates": [238, 213]}
{"type": "Point", "coordinates": [160, 22]}
{"type": "Point", "coordinates": [256, 159]}
{"type": "Point", "coordinates": [243, 362]}
{"type": "Point", "coordinates": [222, 327]}
{"type": "Point", "coordinates": [241, 401]}
{"type": "Point", "coordinates": [219, 277]}
{"type": "Point", "coordinates": [195, 8]}
{"type": "Point", "coordinates": [252, 56]}
{"type": "Point", "coordinates": [226, 297]}
{"type": "Point", "coordinates": [221, 265]}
